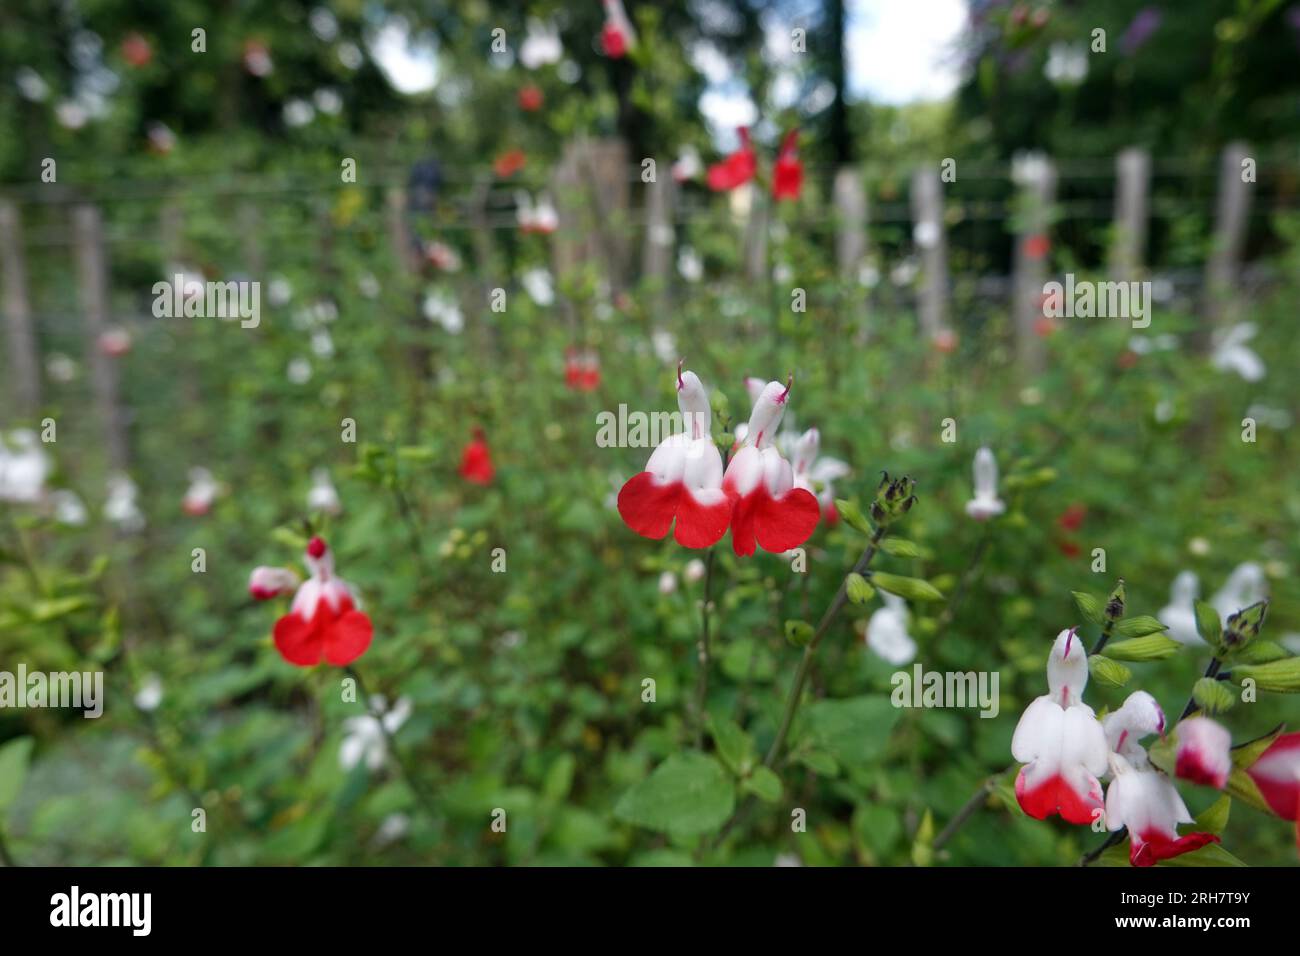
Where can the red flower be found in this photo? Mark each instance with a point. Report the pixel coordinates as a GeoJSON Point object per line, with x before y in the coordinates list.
{"type": "Point", "coordinates": [1072, 517]}
{"type": "Point", "coordinates": [1037, 246]}
{"type": "Point", "coordinates": [581, 370]}
{"type": "Point", "coordinates": [616, 34]}
{"type": "Point", "coordinates": [1044, 327]}
{"type": "Point", "coordinates": [323, 622]}
{"type": "Point", "coordinates": [509, 163]}
{"type": "Point", "coordinates": [1069, 548]}
{"type": "Point", "coordinates": [530, 98]}
{"type": "Point", "coordinates": [945, 341]}
{"type": "Point", "coordinates": [787, 173]}
{"type": "Point", "coordinates": [136, 50]}
{"type": "Point", "coordinates": [1277, 774]}
{"type": "Point", "coordinates": [476, 460]}
{"type": "Point", "coordinates": [737, 169]}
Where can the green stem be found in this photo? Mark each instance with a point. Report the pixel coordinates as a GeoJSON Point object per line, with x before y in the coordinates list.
{"type": "Point", "coordinates": [805, 662]}
{"type": "Point", "coordinates": [702, 647]}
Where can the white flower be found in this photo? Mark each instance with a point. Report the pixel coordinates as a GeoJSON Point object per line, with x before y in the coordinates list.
{"type": "Point", "coordinates": [68, 508]}
{"type": "Point", "coordinates": [537, 283]}
{"type": "Point", "coordinates": [120, 507]}
{"type": "Point", "coordinates": [279, 291]}
{"type": "Point", "coordinates": [442, 307]}
{"type": "Point", "coordinates": [664, 345]}
{"type": "Point", "coordinates": [201, 492]}
{"type": "Point", "coordinates": [926, 234]}
{"type": "Point", "coordinates": [1231, 354]}
{"type": "Point", "coordinates": [887, 631]}
{"type": "Point", "coordinates": [1179, 615]}
{"type": "Point", "coordinates": [1245, 586]}
{"type": "Point", "coordinates": [694, 571]}
{"type": "Point", "coordinates": [986, 503]}
{"type": "Point", "coordinates": [150, 694]}
{"type": "Point", "coordinates": [393, 828]}
{"type": "Point", "coordinates": [328, 101]}
{"type": "Point", "coordinates": [31, 85]}
{"type": "Point", "coordinates": [1067, 64]}
{"type": "Point", "coordinates": [667, 583]}
{"type": "Point", "coordinates": [322, 496]}
{"type": "Point", "coordinates": [24, 466]}
{"type": "Point", "coordinates": [689, 264]}
{"type": "Point", "coordinates": [299, 371]}
{"type": "Point", "coordinates": [541, 47]}
{"type": "Point", "coordinates": [688, 164]}
{"type": "Point", "coordinates": [298, 112]}
{"type": "Point", "coordinates": [365, 737]}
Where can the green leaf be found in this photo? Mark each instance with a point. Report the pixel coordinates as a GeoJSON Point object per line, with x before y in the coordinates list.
{"type": "Point", "coordinates": [819, 762]}
{"type": "Point", "coordinates": [859, 591]}
{"type": "Point", "coordinates": [735, 747]}
{"type": "Point", "coordinates": [1139, 626]}
{"type": "Point", "coordinates": [689, 794]}
{"type": "Point", "coordinates": [1242, 787]}
{"type": "Point", "coordinates": [764, 784]}
{"type": "Point", "coordinates": [914, 589]}
{"type": "Point", "coordinates": [1207, 623]}
{"type": "Point", "coordinates": [14, 758]}
{"type": "Point", "coordinates": [1260, 652]}
{"type": "Point", "coordinates": [1089, 606]}
{"type": "Point", "coordinates": [1212, 854]}
{"type": "Point", "coordinates": [1245, 755]}
{"type": "Point", "coordinates": [1280, 677]}
{"type": "Point", "coordinates": [559, 777]}
{"type": "Point", "coordinates": [1214, 818]}
{"type": "Point", "coordinates": [853, 516]}
{"type": "Point", "coordinates": [55, 608]}
{"type": "Point", "coordinates": [854, 731]}
{"type": "Point", "coordinates": [1107, 672]}
{"type": "Point", "coordinates": [1152, 647]}
{"type": "Point", "coordinates": [922, 845]}
{"type": "Point", "coordinates": [901, 548]}
{"type": "Point", "coordinates": [1212, 697]}
{"type": "Point", "coordinates": [798, 633]}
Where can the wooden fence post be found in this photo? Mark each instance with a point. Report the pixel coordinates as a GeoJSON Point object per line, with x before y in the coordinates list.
{"type": "Point", "coordinates": [1230, 222]}
{"type": "Point", "coordinates": [755, 241]}
{"type": "Point", "coordinates": [20, 336]}
{"type": "Point", "coordinates": [1128, 251]}
{"type": "Point", "coordinates": [850, 199]}
{"type": "Point", "coordinates": [1036, 177]}
{"type": "Point", "coordinates": [92, 281]}
{"type": "Point", "coordinates": [928, 233]}
{"type": "Point", "coordinates": [657, 253]}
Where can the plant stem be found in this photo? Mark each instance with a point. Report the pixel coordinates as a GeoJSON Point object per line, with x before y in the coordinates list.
{"type": "Point", "coordinates": [801, 675]}
{"type": "Point", "coordinates": [950, 609]}
{"type": "Point", "coordinates": [403, 767]}
{"type": "Point", "coordinates": [702, 646]}
{"type": "Point", "coordinates": [977, 800]}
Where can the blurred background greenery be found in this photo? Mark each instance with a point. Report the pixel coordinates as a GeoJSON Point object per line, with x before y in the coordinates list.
{"type": "Point", "coordinates": [525, 688]}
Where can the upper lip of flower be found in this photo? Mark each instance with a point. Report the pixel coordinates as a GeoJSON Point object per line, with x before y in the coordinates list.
{"type": "Point", "coordinates": [780, 399]}
{"type": "Point", "coordinates": [680, 384]}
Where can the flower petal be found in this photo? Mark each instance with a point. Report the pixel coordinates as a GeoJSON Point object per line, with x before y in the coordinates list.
{"type": "Point", "coordinates": [648, 505]}
{"type": "Point", "coordinates": [299, 640]}
{"type": "Point", "coordinates": [348, 638]}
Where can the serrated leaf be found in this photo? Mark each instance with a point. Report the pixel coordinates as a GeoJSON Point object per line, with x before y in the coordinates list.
{"type": "Point", "coordinates": [1279, 677]}
{"type": "Point", "coordinates": [1212, 697]}
{"type": "Point", "coordinates": [1208, 624]}
{"type": "Point", "coordinates": [853, 516]}
{"type": "Point", "coordinates": [1090, 607]}
{"type": "Point", "coordinates": [14, 759]}
{"type": "Point", "coordinates": [1152, 647]}
{"type": "Point", "coordinates": [689, 794]}
{"type": "Point", "coordinates": [735, 747]}
{"type": "Point", "coordinates": [1107, 672]}
{"type": "Point", "coordinates": [1139, 626]}
{"type": "Point", "coordinates": [857, 588]}
{"type": "Point", "coordinates": [764, 784]}
{"type": "Point", "coordinates": [914, 589]}
{"type": "Point", "coordinates": [1214, 818]}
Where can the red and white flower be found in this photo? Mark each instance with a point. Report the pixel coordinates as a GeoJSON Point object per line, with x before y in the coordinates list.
{"type": "Point", "coordinates": [201, 493]}
{"type": "Point", "coordinates": [617, 35]}
{"type": "Point", "coordinates": [539, 218]}
{"type": "Point", "coordinates": [682, 481]}
{"type": "Point", "coordinates": [581, 370]}
{"type": "Point", "coordinates": [815, 472]}
{"type": "Point", "coordinates": [1143, 799]}
{"type": "Point", "coordinates": [1204, 752]}
{"type": "Point", "coordinates": [767, 508]}
{"type": "Point", "coordinates": [1277, 774]}
{"type": "Point", "coordinates": [1139, 717]}
{"type": "Point", "coordinates": [1061, 742]}
{"type": "Point", "coordinates": [323, 622]}
{"type": "Point", "coordinates": [265, 582]}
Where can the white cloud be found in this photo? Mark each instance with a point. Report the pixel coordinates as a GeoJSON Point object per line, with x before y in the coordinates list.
{"type": "Point", "coordinates": [901, 51]}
